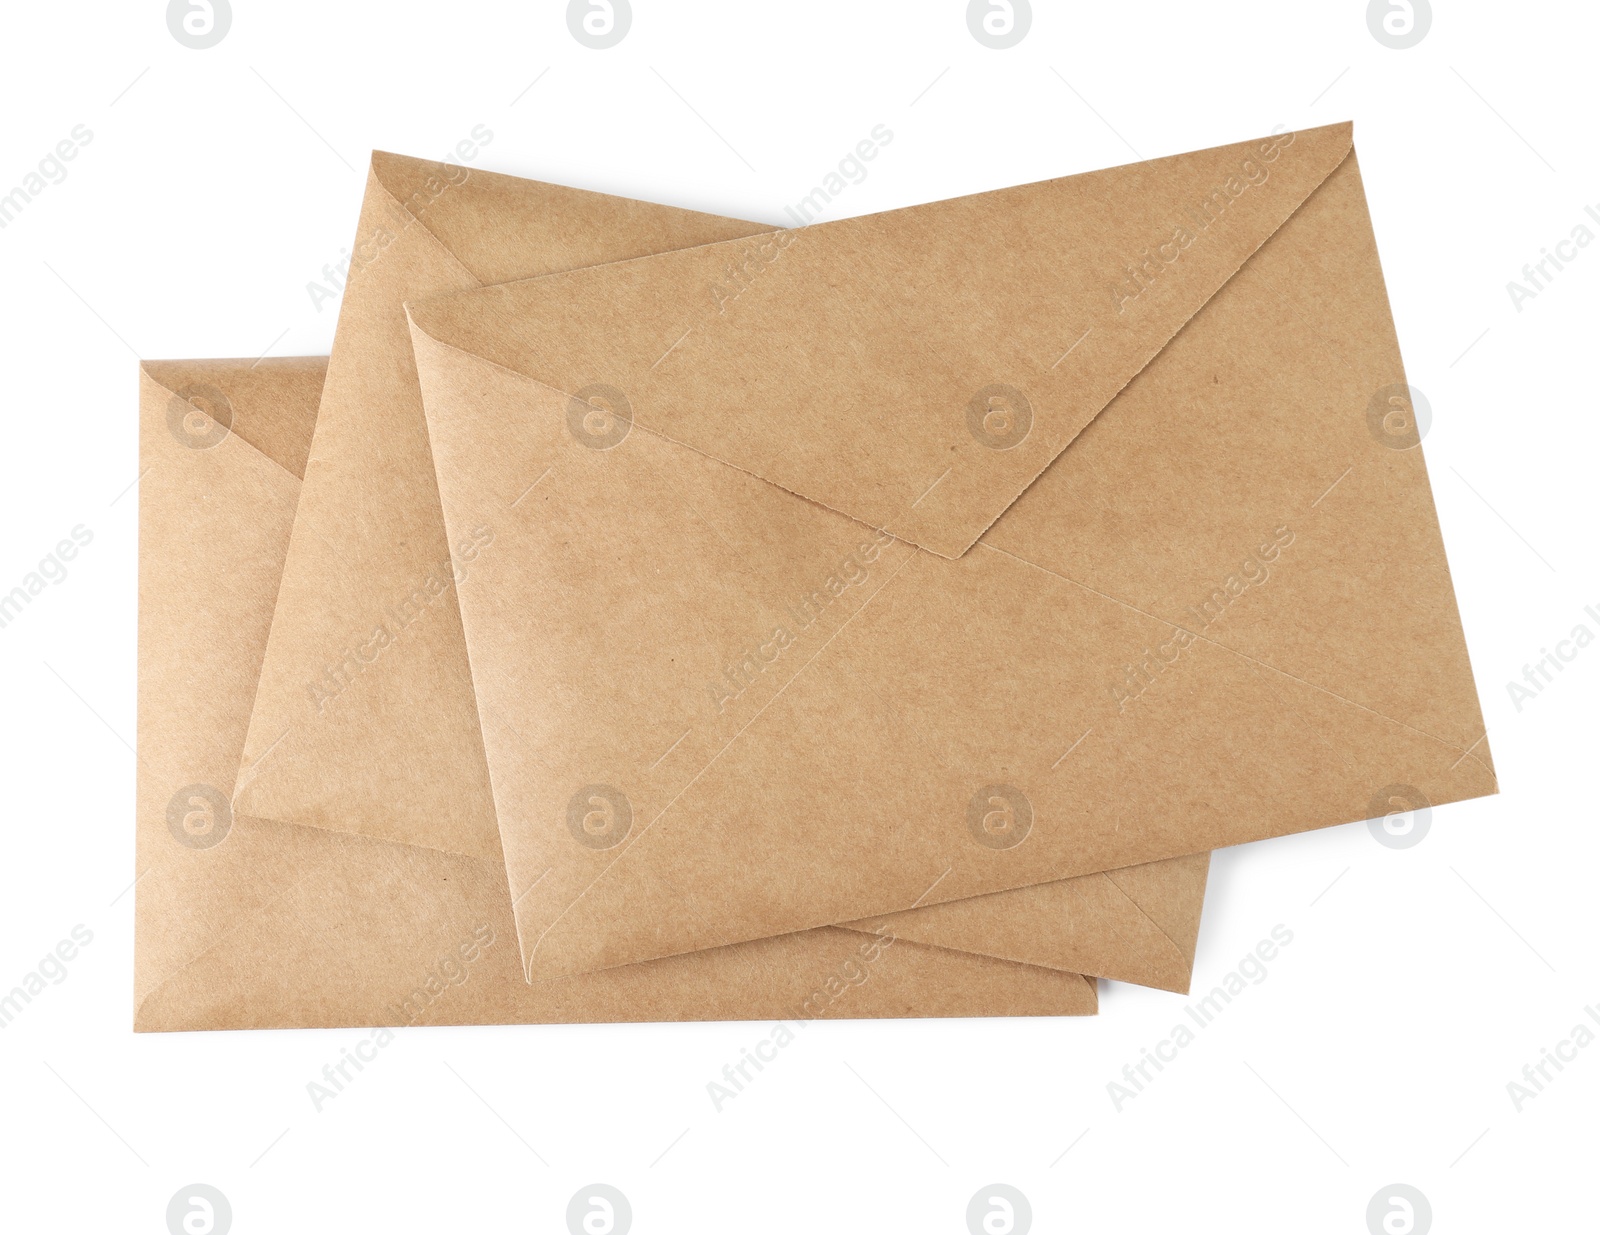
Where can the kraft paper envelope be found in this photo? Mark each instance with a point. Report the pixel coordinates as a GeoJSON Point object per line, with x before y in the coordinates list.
{"type": "Point", "coordinates": [247, 923]}
{"type": "Point", "coordinates": [911, 557]}
{"type": "Point", "coordinates": [365, 720]}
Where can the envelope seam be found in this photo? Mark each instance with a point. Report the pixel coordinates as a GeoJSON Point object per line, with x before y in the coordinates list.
{"type": "Point", "coordinates": [422, 329]}
{"type": "Point", "coordinates": [427, 231]}
{"type": "Point", "coordinates": [1183, 962]}
{"type": "Point", "coordinates": [1071, 966]}
{"type": "Point", "coordinates": [1158, 349]}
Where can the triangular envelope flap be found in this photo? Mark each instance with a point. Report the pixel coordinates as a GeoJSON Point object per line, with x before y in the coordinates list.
{"type": "Point", "coordinates": [915, 369]}
{"type": "Point", "coordinates": [1170, 894]}
{"type": "Point", "coordinates": [499, 227]}
{"type": "Point", "coordinates": [270, 404]}
{"type": "Point", "coordinates": [1136, 924]}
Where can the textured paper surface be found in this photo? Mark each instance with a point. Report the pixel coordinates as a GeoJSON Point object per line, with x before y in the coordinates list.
{"type": "Point", "coordinates": [248, 923]}
{"type": "Point", "coordinates": [365, 720]}
{"type": "Point", "coordinates": [1219, 612]}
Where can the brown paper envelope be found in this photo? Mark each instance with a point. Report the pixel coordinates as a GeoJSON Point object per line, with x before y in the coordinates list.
{"type": "Point", "coordinates": [365, 719]}
{"type": "Point", "coordinates": [714, 702]}
{"type": "Point", "coordinates": [248, 923]}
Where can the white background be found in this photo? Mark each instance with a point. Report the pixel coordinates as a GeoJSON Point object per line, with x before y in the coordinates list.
{"type": "Point", "coordinates": [1419, 982]}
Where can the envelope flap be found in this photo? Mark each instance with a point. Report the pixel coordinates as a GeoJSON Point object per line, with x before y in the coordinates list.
{"type": "Point", "coordinates": [269, 404]}
{"type": "Point", "coordinates": [916, 369]}
{"type": "Point", "coordinates": [499, 227]}
{"type": "Point", "coordinates": [1138, 924]}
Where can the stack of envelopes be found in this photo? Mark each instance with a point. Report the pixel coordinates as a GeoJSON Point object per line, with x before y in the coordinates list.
{"type": "Point", "coordinates": [645, 615]}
